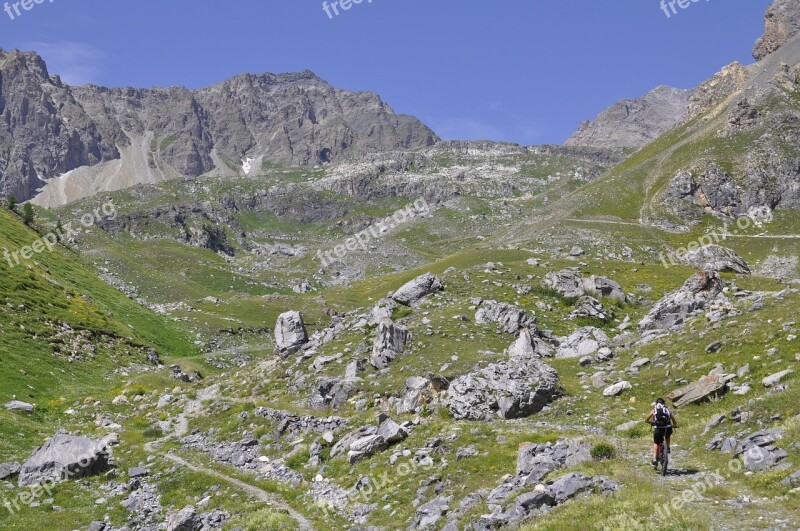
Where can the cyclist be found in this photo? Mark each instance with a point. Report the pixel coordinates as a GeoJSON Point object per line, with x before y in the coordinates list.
{"type": "Point", "coordinates": [663, 420]}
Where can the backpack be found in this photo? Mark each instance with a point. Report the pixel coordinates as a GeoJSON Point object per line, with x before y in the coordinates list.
{"type": "Point", "coordinates": [663, 416]}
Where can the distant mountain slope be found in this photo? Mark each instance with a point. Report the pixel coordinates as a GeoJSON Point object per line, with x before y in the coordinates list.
{"type": "Point", "coordinates": [634, 122]}
{"type": "Point", "coordinates": [110, 139]}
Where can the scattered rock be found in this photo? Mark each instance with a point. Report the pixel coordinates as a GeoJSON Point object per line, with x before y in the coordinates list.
{"type": "Point", "coordinates": [17, 405]}
{"type": "Point", "coordinates": [290, 333]}
{"type": "Point", "coordinates": [390, 341]}
{"type": "Point", "coordinates": [507, 318]}
{"type": "Point", "coordinates": [617, 388]}
{"type": "Point", "coordinates": [704, 389]}
{"type": "Point", "coordinates": [418, 289]}
{"type": "Point", "coordinates": [773, 379]}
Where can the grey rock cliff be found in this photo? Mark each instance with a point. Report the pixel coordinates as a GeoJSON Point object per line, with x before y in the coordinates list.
{"type": "Point", "coordinates": [48, 128]}
{"type": "Point", "coordinates": [781, 23]}
{"type": "Point", "coordinates": [634, 122]}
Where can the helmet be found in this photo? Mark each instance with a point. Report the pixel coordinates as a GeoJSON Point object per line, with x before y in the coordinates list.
{"type": "Point", "coordinates": [661, 401]}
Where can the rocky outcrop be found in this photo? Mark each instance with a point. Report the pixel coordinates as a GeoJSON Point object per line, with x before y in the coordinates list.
{"type": "Point", "coordinates": [508, 389]}
{"type": "Point", "coordinates": [570, 283]}
{"type": "Point", "coordinates": [759, 452]}
{"type": "Point", "coordinates": [716, 90]}
{"type": "Point", "coordinates": [586, 341]}
{"type": "Point", "coordinates": [716, 258]}
{"type": "Point", "coordinates": [702, 390]}
{"type": "Point", "coordinates": [418, 289]}
{"type": "Point", "coordinates": [781, 23]}
{"type": "Point", "coordinates": [332, 392]}
{"type": "Point", "coordinates": [65, 457]}
{"type": "Point", "coordinates": [290, 333]}
{"type": "Point", "coordinates": [368, 440]}
{"type": "Point", "coordinates": [675, 308]}
{"type": "Point", "coordinates": [390, 342]}
{"type": "Point", "coordinates": [508, 319]}
{"type": "Point", "coordinates": [634, 122]}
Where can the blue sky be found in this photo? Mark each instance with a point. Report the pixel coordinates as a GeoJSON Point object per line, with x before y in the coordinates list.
{"type": "Point", "coordinates": [525, 71]}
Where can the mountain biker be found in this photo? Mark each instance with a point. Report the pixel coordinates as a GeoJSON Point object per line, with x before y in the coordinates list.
{"type": "Point", "coordinates": [663, 420]}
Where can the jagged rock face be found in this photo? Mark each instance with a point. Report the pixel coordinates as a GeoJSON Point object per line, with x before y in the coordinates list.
{"type": "Point", "coordinates": [769, 181]}
{"type": "Point", "coordinates": [64, 457]}
{"type": "Point", "coordinates": [634, 122]}
{"type": "Point", "coordinates": [44, 131]}
{"type": "Point", "coordinates": [675, 308]}
{"type": "Point", "coordinates": [781, 23]}
{"type": "Point", "coordinates": [714, 91]}
{"type": "Point", "coordinates": [49, 128]}
{"type": "Point", "coordinates": [290, 333]}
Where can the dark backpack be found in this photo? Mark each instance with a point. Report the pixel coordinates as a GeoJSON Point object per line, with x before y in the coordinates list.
{"type": "Point", "coordinates": [662, 415]}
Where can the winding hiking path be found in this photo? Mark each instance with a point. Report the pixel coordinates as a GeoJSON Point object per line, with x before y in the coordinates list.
{"type": "Point", "coordinates": [182, 428]}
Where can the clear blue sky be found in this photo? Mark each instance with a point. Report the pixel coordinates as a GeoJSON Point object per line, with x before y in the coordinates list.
{"type": "Point", "coordinates": [526, 71]}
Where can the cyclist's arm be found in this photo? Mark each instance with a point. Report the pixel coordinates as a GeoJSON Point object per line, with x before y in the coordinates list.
{"type": "Point", "coordinates": [649, 417]}
{"type": "Point", "coordinates": [674, 421]}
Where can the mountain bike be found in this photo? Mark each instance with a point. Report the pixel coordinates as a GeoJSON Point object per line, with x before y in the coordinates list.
{"type": "Point", "coordinates": [662, 454]}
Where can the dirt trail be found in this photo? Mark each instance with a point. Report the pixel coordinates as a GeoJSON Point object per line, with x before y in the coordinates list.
{"type": "Point", "coordinates": [733, 514]}
{"type": "Point", "coordinates": [182, 428]}
{"type": "Point", "coordinates": [255, 492]}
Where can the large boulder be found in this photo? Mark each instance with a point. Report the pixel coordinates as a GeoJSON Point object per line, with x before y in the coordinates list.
{"type": "Point", "coordinates": [567, 282]}
{"type": "Point", "coordinates": [65, 457]}
{"type": "Point", "coordinates": [758, 451]}
{"type": "Point", "coordinates": [716, 258]}
{"type": "Point", "coordinates": [702, 390]}
{"type": "Point", "coordinates": [508, 319]}
{"type": "Point", "coordinates": [390, 341]}
{"type": "Point", "coordinates": [417, 289]}
{"type": "Point", "coordinates": [290, 333]}
{"type": "Point", "coordinates": [508, 389]}
{"type": "Point", "coordinates": [570, 283]}
{"type": "Point", "coordinates": [672, 311]}
{"type": "Point", "coordinates": [586, 341]}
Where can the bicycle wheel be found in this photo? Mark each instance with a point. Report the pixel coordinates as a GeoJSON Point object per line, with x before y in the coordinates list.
{"type": "Point", "coordinates": [664, 459]}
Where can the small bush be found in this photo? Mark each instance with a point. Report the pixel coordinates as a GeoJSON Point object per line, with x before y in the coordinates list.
{"type": "Point", "coordinates": [603, 451]}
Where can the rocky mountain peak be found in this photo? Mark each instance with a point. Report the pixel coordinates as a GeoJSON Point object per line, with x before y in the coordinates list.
{"type": "Point", "coordinates": [634, 122]}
